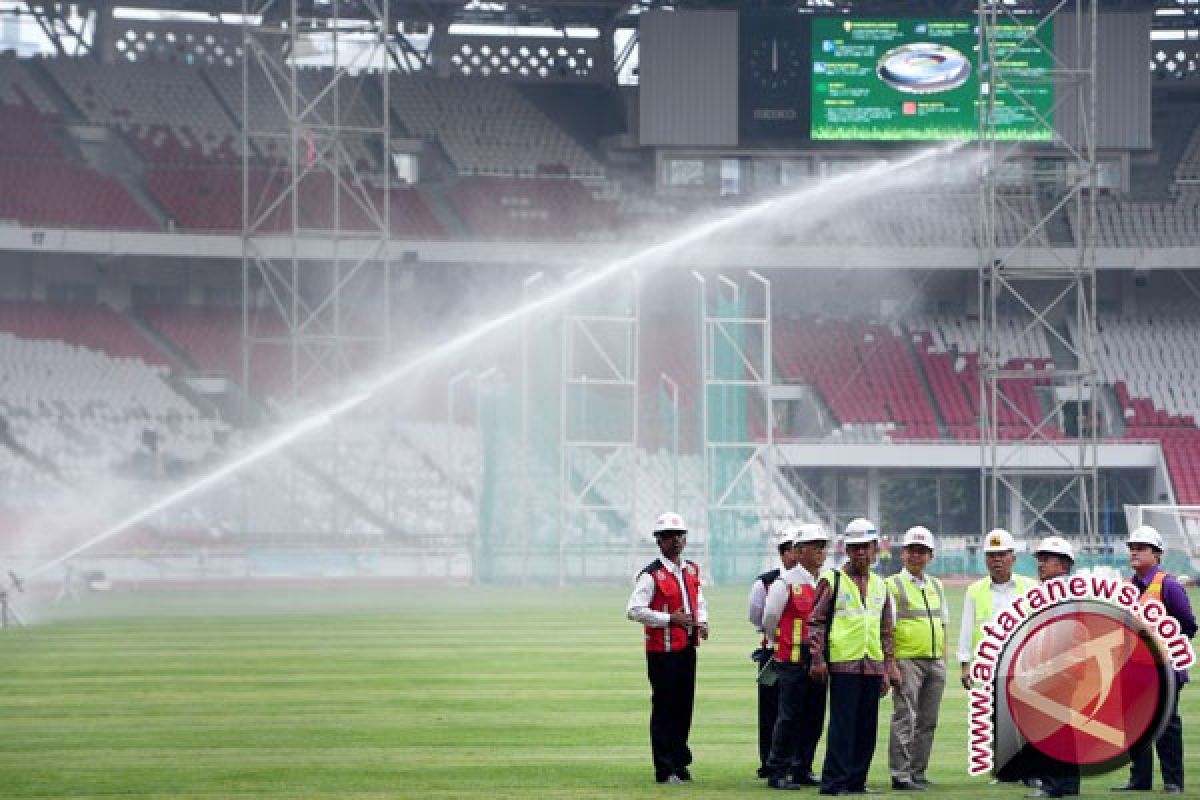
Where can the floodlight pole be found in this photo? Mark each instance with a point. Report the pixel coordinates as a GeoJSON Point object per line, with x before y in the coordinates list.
{"type": "Point", "coordinates": [527, 286]}
{"type": "Point", "coordinates": [452, 452]}
{"type": "Point", "coordinates": [673, 388]}
{"type": "Point", "coordinates": [481, 378]}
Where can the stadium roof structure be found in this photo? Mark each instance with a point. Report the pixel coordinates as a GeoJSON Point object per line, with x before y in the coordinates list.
{"type": "Point", "coordinates": [559, 13]}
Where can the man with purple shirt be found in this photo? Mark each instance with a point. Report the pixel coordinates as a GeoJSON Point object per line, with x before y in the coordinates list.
{"type": "Point", "coordinates": [1145, 556]}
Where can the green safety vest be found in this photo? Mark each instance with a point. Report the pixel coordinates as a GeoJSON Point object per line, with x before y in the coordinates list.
{"type": "Point", "coordinates": [980, 593]}
{"type": "Point", "coordinates": [920, 626]}
{"type": "Point", "coordinates": [855, 631]}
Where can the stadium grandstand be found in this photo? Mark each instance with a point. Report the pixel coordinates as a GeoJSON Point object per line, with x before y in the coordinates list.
{"type": "Point", "coordinates": [292, 302]}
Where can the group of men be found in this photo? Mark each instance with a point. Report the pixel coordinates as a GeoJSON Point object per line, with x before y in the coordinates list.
{"type": "Point", "coordinates": [839, 640]}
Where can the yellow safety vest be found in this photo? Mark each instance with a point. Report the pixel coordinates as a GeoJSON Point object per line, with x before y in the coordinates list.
{"type": "Point", "coordinates": [855, 631]}
{"type": "Point", "coordinates": [981, 593]}
{"type": "Point", "coordinates": [920, 626]}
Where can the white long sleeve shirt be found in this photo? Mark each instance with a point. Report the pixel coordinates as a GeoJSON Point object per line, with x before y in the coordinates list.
{"type": "Point", "coordinates": [755, 603]}
{"type": "Point", "coordinates": [778, 595]}
{"type": "Point", "coordinates": [1003, 595]}
{"type": "Point", "coordinates": [639, 609]}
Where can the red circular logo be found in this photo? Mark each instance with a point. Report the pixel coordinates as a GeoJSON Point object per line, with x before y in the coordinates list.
{"type": "Point", "coordinates": [1083, 687]}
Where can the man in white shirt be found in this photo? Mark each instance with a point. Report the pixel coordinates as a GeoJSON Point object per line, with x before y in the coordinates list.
{"type": "Point", "coordinates": [989, 596]}
{"type": "Point", "coordinates": [801, 712]}
{"type": "Point", "coordinates": [667, 600]}
{"type": "Point", "coordinates": [768, 694]}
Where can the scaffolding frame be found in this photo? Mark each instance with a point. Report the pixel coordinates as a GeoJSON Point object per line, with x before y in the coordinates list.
{"type": "Point", "coordinates": [724, 494]}
{"type": "Point", "coordinates": [310, 296]}
{"type": "Point", "coordinates": [595, 466]}
{"type": "Point", "coordinates": [1038, 471]}
{"type": "Point", "coordinates": [309, 163]}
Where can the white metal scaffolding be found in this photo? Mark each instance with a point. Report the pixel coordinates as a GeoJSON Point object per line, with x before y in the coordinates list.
{"type": "Point", "coordinates": [1039, 469]}
{"type": "Point", "coordinates": [315, 145]}
{"type": "Point", "coordinates": [599, 430]}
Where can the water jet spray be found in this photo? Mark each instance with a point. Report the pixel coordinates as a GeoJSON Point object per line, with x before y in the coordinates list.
{"type": "Point", "coordinates": [647, 259]}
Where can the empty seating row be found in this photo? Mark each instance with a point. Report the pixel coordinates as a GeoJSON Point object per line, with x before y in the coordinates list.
{"type": "Point", "coordinates": [166, 108]}
{"type": "Point", "coordinates": [864, 372]}
{"type": "Point", "coordinates": [947, 348]}
{"type": "Point", "coordinates": [1145, 224]}
{"type": "Point", "coordinates": [210, 198]}
{"type": "Point", "coordinates": [1153, 362]}
{"type": "Point", "coordinates": [488, 128]}
{"type": "Point", "coordinates": [87, 413]}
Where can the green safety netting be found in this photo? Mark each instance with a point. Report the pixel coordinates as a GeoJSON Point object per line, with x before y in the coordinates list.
{"type": "Point", "coordinates": [735, 527]}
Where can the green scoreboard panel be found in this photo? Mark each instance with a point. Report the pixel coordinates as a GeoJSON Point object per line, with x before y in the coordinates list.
{"type": "Point", "coordinates": [919, 79]}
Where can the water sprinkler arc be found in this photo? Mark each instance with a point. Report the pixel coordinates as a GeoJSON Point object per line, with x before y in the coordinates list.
{"type": "Point", "coordinates": [649, 258]}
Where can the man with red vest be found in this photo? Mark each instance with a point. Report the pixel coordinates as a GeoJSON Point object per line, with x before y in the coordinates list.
{"type": "Point", "coordinates": [668, 601]}
{"type": "Point", "coordinates": [1145, 556]}
{"type": "Point", "coordinates": [801, 699]}
{"type": "Point", "coordinates": [768, 694]}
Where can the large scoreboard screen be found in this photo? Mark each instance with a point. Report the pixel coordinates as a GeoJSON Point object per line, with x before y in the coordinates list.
{"type": "Point", "coordinates": [919, 79]}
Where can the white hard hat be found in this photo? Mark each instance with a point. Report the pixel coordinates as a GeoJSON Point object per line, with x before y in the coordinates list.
{"type": "Point", "coordinates": [787, 535]}
{"type": "Point", "coordinates": [669, 521]}
{"type": "Point", "coordinates": [999, 540]}
{"type": "Point", "coordinates": [861, 531]}
{"type": "Point", "coordinates": [919, 534]}
{"type": "Point", "coordinates": [1145, 534]}
{"type": "Point", "coordinates": [811, 532]}
{"type": "Point", "coordinates": [1056, 545]}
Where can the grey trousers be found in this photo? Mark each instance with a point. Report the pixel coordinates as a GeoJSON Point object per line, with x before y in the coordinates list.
{"type": "Point", "coordinates": [915, 716]}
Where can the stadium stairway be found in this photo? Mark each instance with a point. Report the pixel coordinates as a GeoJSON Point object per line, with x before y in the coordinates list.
{"type": "Point", "coordinates": [177, 357]}
{"type": "Point", "coordinates": [181, 365]}
{"type": "Point", "coordinates": [926, 386]}
{"type": "Point", "coordinates": [434, 195]}
{"type": "Point", "coordinates": [585, 113]}
{"type": "Point", "coordinates": [232, 408]}
{"type": "Point", "coordinates": [233, 114]}
{"type": "Point", "coordinates": [1061, 355]}
{"type": "Point", "coordinates": [1058, 226]}
{"type": "Point", "coordinates": [70, 113]}
{"type": "Point", "coordinates": [1174, 114]}
{"type": "Point", "coordinates": [22, 452]}
{"type": "Point", "coordinates": [107, 151]}
{"type": "Point", "coordinates": [102, 148]}
{"type": "Point", "coordinates": [351, 501]}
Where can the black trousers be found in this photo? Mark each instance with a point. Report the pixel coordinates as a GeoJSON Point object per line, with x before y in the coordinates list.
{"type": "Point", "coordinates": [853, 719]}
{"type": "Point", "coordinates": [799, 722]}
{"type": "Point", "coordinates": [768, 707]}
{"type": "Point", "coordinates": [1170, 754]}
{"type": "Point", "coordinates": [673, 692]}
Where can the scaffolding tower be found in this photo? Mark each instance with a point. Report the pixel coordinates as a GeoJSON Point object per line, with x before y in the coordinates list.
{"type": "Point", "coordinates": [737, 421]}
{"type": "Point", "coordinates": [599, 431]}
{"type": "Point", "coordinates": [316, 209]}
{"type": "Point", "coordinates": [1039, 470]}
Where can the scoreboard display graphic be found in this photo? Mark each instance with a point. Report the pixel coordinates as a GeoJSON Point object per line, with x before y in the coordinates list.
{"type": "Point", "coordinates": [920, 80]}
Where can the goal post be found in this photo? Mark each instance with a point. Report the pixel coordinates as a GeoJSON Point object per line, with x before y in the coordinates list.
{"type": "Point", "coordinates": [1179, 526]}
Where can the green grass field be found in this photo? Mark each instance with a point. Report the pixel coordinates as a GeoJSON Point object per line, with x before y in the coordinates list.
{"type": "Point", "coordinates": [428, 692]}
